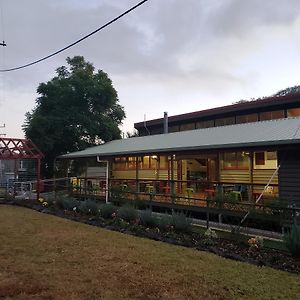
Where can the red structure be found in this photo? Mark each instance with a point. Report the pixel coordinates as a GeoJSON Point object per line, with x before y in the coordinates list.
{"type": "Point", "coordinates": [12, 149]}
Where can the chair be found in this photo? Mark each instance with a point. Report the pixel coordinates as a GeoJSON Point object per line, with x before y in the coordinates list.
{"type": "Point", "coordinates": [239, 191]}
{"type": "Point", "coordinates": [149, 189]}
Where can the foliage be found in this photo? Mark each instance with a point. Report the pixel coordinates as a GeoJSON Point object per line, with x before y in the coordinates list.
{"type": "Point", "coordinates": [88, 207]}
{"type": "Point", "coordinates": [140, 204]}
{"type": "Point", "coordinates": [181, 222]}
{"type": "Point", "coordinates": [68, 203]}
{"type": "Point", "coordinates": [290, 90]}
{"type": "Point", "coordinates": [108, 211]}
{"type": "Point", "coordinates": [292, 240]}
{"type": "Point", "coordinates": [165, 222]}
{"type": "Point", "coordinates": [128, 213]}
{"type": "Point", "coordinates": [76, 109]}
{"type": "Point", "coordinates": [209, 237]}
{"type": "Point", "coordinates": [118, 195]}
{"type": "Point", "coordinates": [147, 219]}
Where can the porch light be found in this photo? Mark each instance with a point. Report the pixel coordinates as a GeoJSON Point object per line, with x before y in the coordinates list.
{"type": "Point", "coordinates": [154, 156]}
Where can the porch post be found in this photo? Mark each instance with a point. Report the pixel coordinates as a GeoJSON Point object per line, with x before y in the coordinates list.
{"type": "Point", "coordinates": [250, 190]}
{"type": "Point", "coordinates": [172, 179]}
{"type": "Point", "coordinates": [137, 186]}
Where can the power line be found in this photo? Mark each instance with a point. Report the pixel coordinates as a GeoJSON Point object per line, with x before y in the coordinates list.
{"type": "Point", "coordinates": [78, 41]}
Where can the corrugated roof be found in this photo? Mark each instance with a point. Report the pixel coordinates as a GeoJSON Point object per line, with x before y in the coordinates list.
{"type": "Point", "coordinates": [266, 133]}
{"type": "Point", "coordinates": [237, 107]}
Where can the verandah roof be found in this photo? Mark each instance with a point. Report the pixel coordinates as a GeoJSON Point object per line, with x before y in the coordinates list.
{"type": "Point", "coordinates": [265, 133]}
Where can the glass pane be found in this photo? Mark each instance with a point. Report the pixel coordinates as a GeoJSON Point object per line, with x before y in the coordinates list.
{"type": "Point", "coordinates": [293, 112]}
{"type": "Point", "coordinates": [205, 124]}
{"type": "Point", "coordinates": [242, 160]}
{"type": "Point", "coordinates": [229, 160]}
{"type": "Point", "coordinates": [189, 126]}
{"type": "Point", "coordinates": [225, 121]}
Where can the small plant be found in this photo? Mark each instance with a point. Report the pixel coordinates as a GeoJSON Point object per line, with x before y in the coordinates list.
{"type": "Point", "coordinates": [181, 222]}
{"type": "Point", "coordinates": [292, 240]}
{"type": "Point", "coordinates": [165, 222]}
{"type": "Point", "coordinates": [209, 237]}
{"type": "Point", "coordinates": [140, 204]}
{"type": "Point", "coordinates": [88, 207]}
{"type": "Point", "coordinates": [255, 243]}
{"type": "Point", "coordinates": [108, 211]}
{"type": "Point", "coordinates": [128, 213]}
{"type": "Point", "coordinates": [147, 219]}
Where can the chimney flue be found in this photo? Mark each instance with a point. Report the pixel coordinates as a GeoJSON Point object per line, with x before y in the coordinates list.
{"type": "Point", "coordinates": [166, 125]}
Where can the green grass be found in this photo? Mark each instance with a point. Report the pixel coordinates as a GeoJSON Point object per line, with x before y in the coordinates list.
{"type": "Point", "coordinates": [45, 257]}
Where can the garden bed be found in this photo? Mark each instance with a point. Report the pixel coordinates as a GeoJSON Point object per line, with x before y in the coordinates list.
{"type": "Point", "coordinates": [236, 248]}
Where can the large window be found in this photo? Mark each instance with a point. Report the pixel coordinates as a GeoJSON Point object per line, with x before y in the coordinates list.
{"type": "Point", "coordinates": [265, 160]}
{"type": "Point", "coordinates": [293, 112]}
{"type": "Point", "coordinates": [189, 126]}
{"type": "Point", "coordinates": [205, 124]}
{"type": "Point", "coordinates": [124, 163]}
{"type": "Point", "coordinates": [246, 118]}
{"type": "Point", "coordinates": [235, 160]}
{"type": "Point", "coordinates": [270, 115]}
{"type": "Point", "coordinates": [225, 121]}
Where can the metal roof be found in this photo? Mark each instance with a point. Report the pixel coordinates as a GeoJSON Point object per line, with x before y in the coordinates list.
{"type": "Point", "coordinates": [259, 103]}
{"type": "Point", "coordinates": [265, 133]}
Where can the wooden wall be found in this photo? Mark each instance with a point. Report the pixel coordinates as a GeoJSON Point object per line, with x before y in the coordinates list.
{"type": "Point", "coordinates": [289, 175]}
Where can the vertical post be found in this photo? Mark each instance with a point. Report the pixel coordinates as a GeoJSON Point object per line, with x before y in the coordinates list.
{"type": "Point", "coordinates": [38, 179]}
{"type": "Point", "coordinates": [85, 181]}
{"type": "Point", "coordinates": [106, 182]}
{"type": "Point", "coordinates": [172, 179]}
{"type": "Point", "coordinates": [250, 190]}
{"type": "Point", "coordinates": [137, 186]}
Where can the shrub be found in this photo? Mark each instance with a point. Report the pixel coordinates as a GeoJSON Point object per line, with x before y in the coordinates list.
{"type": "Point", "coordinates": [107, 211]}
{"type": "Point", "coordinates": [128, 213]}
{"type": "Point", "coordinates": [88, 207]}
{"type": "Point", "coordinates": [117, 195]}
{"type": "Point", "coordinates": [165, 222]}
{"type": "Point", "coordinates": [147, 219]}
{"type": "Point", "coordinates": [69, 203]}
{"type": "Point", "coordinates": [181, 222]}
{"type": "Point", "coordinates": [292, 240]}
{"type": "Point", "coordinates": [140, 204]}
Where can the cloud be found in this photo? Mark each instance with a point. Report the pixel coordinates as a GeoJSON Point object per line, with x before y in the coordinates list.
{"type": "Point", "coordinates": [165, 50]}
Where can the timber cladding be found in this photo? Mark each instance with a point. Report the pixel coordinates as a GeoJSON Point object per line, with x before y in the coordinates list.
{"type": "Point", "coordinates": [289, 175]}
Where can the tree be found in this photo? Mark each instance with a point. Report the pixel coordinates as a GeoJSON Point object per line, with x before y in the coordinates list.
{"type": "Point", "coordinates": [288, 91]}
{"type": "Point", "coordinates": [76, 109]}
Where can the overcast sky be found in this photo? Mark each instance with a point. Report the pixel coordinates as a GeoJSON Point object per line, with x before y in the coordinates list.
{"type": "Point", "coordinates": [168, 55]}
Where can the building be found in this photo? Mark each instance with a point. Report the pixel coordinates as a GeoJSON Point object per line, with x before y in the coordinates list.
{"type": "Point", "coordinates": [247, 149]}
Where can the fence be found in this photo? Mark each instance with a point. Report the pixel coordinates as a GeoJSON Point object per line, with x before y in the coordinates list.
{"type": "Point", "coordinates": [270, 214]}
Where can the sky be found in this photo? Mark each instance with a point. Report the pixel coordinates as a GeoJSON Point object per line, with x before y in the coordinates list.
{"type": "Point", "coordinates": [177, 56]}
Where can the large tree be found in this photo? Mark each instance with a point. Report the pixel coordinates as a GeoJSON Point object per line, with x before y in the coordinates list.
{"type": "Point", "coordinates": [76, 109]}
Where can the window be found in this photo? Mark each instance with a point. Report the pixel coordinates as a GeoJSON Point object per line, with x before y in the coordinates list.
{"type": "Point", "coordinates": [174, 128]}
{"type": "Point", "coordinates": [246, 118]}
{"type": "Point", "coordinates": [265, 160]}
{"type": "Point", "coordinates": [189, 126]}
{"type": "Point", "coordinates": [260, 158]}
{"type": "Point", "coordinates": [124, 163]}
{"type": "Point", "coordinates": [205, 124]}
{"type": "Point", "coordinates": [235, 160]}
{"type": "Point", "coordinates": [225, 121]}
{"type": "Point", "coordinates": [271, 115]}
{"type": "Point", "coordinates": [293, 112]}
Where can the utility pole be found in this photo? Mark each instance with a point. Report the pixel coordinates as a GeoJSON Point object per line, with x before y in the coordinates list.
{"type": "Point", "coordinates": [3, 44]}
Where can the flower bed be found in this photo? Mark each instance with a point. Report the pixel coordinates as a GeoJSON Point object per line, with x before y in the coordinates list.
{"type": "Point", "coordinates": [175, 229]}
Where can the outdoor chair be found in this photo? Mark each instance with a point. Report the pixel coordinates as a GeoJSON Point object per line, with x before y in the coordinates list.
{"type": "Point", "coordinates": [239, 192]}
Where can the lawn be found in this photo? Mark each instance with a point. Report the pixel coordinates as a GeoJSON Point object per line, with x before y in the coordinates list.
{"type": "Point", "coordinates": [46, 257]}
